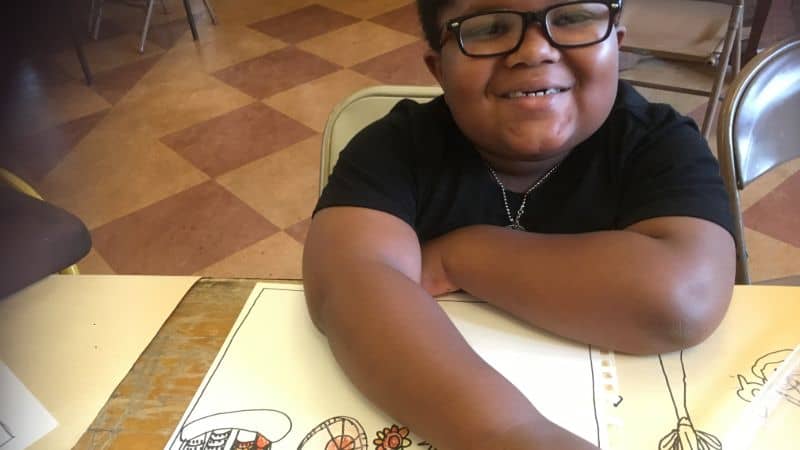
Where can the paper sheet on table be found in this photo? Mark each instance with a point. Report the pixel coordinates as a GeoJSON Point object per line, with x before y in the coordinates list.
{"type": "Point", "coordinates": [23, 419]}
{"type": "Point", "coordinates": [722, 374]}
{"type": "Point", "coordinates": [275, 380]}
{"type": "Point", "coordinates": [72, 339]}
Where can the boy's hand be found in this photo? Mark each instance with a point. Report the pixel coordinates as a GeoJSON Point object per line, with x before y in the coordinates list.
{"type": "Point", "coordinates": [434, 277]}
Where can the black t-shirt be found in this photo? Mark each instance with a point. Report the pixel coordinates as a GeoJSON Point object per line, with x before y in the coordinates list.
{"type": "Point", "coordinates": [645, 161]}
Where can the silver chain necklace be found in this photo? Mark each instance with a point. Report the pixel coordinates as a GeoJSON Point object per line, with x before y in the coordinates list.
{"type": "Point", "coordinates": [514, 220]}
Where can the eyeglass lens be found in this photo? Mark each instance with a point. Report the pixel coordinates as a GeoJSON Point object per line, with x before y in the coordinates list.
{"type": "Point", "coordinates": [569, 25]}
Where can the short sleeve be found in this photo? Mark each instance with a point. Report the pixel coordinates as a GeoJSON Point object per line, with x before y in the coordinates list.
{"type": "Point", "coordinates": [375, 170]}
{"type": "Point", "coordinates": [672, 172]}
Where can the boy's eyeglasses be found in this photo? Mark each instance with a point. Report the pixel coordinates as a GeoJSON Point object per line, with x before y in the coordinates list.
{"type": "Point", "coordinates": [566, 25]}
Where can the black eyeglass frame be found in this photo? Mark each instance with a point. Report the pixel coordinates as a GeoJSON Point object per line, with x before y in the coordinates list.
{"type": "Point", "coordinates": [528, 17]}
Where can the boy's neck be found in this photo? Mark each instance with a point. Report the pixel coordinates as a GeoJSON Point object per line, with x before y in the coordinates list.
{"type": "Point", "coordinates": [519, 176]}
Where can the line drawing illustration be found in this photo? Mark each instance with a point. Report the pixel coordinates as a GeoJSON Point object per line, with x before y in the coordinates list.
{"type": "Point", "coordinates": [684, 436]}
{"type": "Point", "coordinates": [209, 427]}
{"type": "Point", "coordinates": [252, 429]}
{"type": "Point", "coordinates": [763, 367]}
{"type": "Point", "coordinates": [336, 433]}
{"type": "Point", "coordinates": [6, 435]}
{"type": "Point", "coordinates": [392, 438]}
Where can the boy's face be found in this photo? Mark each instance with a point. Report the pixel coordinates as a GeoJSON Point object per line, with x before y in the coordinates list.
{"type": "Point", "coordinates": [526, 128]}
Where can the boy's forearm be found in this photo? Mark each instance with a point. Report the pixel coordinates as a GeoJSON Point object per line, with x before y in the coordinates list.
{"type": "Point", "coordinates": [403, 353]}
{"type": "Point", "coordinates": [618, 289]}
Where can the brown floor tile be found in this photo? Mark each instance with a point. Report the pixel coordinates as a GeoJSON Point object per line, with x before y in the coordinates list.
{"type": "Point", "coordinates": [402, 66]}
{"type": "Point", "coordinates": [35, 155]}
{"type": "Point", "coordinates": [299, 231]}
{"type": "Point", "coordinates": [236, 138]}
{"type": "Point", "coordinates": [181, 234]}
{"type": "Point", "coordinates": [113, 84]}
{"type": "Point", "coordinates": [356, 43]}
{"type": "Point", "coordinates": [404, 20]}
{"type": "Point", "coordinates": [93, 263]}
{"type": "Point", "coordinates": [276, 71]}
{"type": "Point", "coordinates": [283, 187]}
{"type": "Point", "coordinates": [311, 103]}
{"type": "Point", "coordinates": [277, 257]}
{"type": "Point", "coordinates": [764, 184]}
{"type": "Point", "coordinates": [778, 213]}
{"type": "Point", "coordinates": [362, 8]}
{"type": "Point", "coordinates": [304, 23]}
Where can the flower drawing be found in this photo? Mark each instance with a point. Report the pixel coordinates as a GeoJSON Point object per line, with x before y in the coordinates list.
{"type": "Point", "coordinates": [393, 438]}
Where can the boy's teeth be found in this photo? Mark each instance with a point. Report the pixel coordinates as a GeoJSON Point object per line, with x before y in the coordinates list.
{"type": "Point", "coordinates": [540, 93]}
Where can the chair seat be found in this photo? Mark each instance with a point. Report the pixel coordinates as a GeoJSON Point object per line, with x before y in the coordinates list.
{"type": "Point", "coordinates": [37, 239]}
{"type": "Point", "coordinates": [652, 26]}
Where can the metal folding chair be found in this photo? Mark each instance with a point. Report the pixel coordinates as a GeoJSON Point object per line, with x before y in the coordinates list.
{"type": "Point", "coordinates": [707, 33]}
{"type": "Point", "coordinates": [758, 129]}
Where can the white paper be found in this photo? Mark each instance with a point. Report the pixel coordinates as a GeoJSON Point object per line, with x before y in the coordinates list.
{"type": "Point", "coordinates": [275, 381]}
{"type": "Point", "coordinates": [72, 338]}
{"type": "Point", "coordinates": [23, 419]}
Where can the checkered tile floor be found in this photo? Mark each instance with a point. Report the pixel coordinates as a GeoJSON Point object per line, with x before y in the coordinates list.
{"type": "Point", "coordinates": [203, 157]}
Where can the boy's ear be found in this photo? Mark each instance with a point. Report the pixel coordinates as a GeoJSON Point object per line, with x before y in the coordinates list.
{"type": "Point", "coordinates": [433, 60]}
{"type": "Point", "coordinates": [620, 29]}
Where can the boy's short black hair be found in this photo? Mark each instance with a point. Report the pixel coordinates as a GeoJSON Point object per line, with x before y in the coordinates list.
{"type": "Point", "coordinates": [429, 19]}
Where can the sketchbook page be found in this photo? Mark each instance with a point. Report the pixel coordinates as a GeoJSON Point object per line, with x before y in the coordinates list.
{"type": "Point", "coordinates": [72, 338]}
{"type": "Point", "coordinates": [275, 381]}
{"type": "Point", "coordinates": [23, 419]}
{"type": "Point", "coordinates": [722, 375]}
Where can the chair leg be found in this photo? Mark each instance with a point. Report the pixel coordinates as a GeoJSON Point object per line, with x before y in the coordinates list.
{"type": "Point", "coordinates": [190, 18]}
{"type": "Point", "coordinates": [211, 12]}
{"type": "Point", "coordinates": [719, 81]}
{"type": "Point", "coordinates": [97, 18]}
{"type": "Point", "coordinates": [737, 50]}
{"type": "Point", "coordinates": [148, 14]}
{"type": "Point", "coordinates": [164, 6]}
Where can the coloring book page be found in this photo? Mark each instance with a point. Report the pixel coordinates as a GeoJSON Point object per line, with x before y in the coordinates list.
{"type": "Point", "coordinates": [694, 399]}
{"type": "Point", "coordinates": [275, 384]}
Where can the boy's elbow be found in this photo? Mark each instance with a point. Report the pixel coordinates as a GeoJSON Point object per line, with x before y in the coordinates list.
{"type": "Point", "coordinates": [689, 311]}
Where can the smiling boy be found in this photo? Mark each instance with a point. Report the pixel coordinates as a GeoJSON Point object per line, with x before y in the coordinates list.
{"type": "Point", "coordinates": [537, 182]}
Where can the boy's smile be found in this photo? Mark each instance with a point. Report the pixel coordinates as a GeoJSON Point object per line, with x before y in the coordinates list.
{"type": "Point", "coordinates": [533, 105]}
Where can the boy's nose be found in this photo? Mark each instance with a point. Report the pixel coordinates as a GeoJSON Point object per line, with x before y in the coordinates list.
{"type": "Point", "coordinates": [535, 49]}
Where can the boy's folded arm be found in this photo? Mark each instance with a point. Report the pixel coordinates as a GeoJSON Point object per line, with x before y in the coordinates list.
{"type": "Point", "coordinates": [361, 272]}
{"type": "Point", "coordinates": [659, 285]}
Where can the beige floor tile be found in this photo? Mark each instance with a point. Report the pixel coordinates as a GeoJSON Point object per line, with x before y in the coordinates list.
{"type": "Point", "coordinates": [283, 186]}
{"type": "Point", "coordinates": [224, 46]}
{"type": "Point", "coordinates": [163, 103]}
{"type": "Point", "coordinates": [762, 186]}
{"type": "Point", "coordinates": [94, 264]}
{"type": "Point", "coordinates": [106, 177]}
{"type": "Point", "coordinates": [311, 103]}
{"type": "Point", "coordinates": [276, 257]}
{"type": "Point", "coordinates": [243, 12]}
{"type": "Point", "coordinates": [362, 8]}
{"type": "Point", "coordinates": [107, 54]}
{"type": "Point", "coordinates": [770, 258]}
{"type": "Point", "coordinates": [42, 106]}
{"type": "Point", "coordinates": [356, 43]}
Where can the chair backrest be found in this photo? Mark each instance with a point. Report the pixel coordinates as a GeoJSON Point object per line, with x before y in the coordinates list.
{"type": "Point", "coordinates": [759, 126]}
{"type": "Point", "coordinates": [358, 111]}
